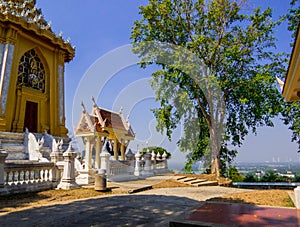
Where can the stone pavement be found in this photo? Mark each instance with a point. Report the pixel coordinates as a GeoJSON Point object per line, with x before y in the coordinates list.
{"type": "Point", "coordinates": [156, 207]}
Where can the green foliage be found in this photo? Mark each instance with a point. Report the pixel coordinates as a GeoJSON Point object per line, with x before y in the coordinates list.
{"type": "Point", "coordinates": [271, 176]}
{"type": "Point", "coordinates": [226, 158]}
{"type": "Point", "coordinates": [232, 50]}
{"type": "Point", "coordinates": [250, 177]}
{"type": "Point", "coordinates": [156, 150]}
{"type": "Point", "coordinates": [291, 117]}
{"type": "Point", "coordinates": [293, 16]}
{"type": "Point", "coordinates": [234, 174]}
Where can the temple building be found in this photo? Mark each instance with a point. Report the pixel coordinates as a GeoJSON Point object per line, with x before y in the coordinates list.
{"type": "Point", "coordinates": [291, 89]}
{"type": "Point", "coordinates": [32, 59]}
{"type": "Point", "coordinates": [101, 125]}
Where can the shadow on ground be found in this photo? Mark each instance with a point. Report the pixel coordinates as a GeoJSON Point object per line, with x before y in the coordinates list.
{"type": "Point", "coordinates": [150, 210]}
{"type": "Point", "coordinates": [129, 210]}
{"type": "Point", "coordinates": [20, 200]}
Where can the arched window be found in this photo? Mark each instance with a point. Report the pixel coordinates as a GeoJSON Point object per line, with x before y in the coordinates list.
{"type": "Point", "coordinates": [31, 72]}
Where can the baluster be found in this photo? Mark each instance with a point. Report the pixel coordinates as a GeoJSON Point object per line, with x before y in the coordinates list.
{"type": "Point", "coordinates": [9, 177]}
{"type": "Point", "coordinates": [36, 176]}
{"type": "Point", "coordinates": [22, 177]}
{"type": "Point", "coordinates": [45, 174]}
{"type": "Point", "coordinates": [48, 174]}
{"type": "Point", "coordinates": [6, 177]}
{"type": "Point", "coordinates": [26, 177]}
{"type": "Point", "coordinates": [13, 178]}
{"type": "Point", "coordinates": [42, 176]}
{"type": "Point", "coordinates": [18, 177]}
{"type": "Point", "coordinates": [31, 174]}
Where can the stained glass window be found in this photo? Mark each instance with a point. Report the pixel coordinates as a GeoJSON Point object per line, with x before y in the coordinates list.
{"type": "Point", "coordinates": [31, 72]}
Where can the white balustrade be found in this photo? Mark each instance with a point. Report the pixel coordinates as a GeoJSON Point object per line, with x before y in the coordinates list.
{"type": "Point", "coordinates": [29, 173]}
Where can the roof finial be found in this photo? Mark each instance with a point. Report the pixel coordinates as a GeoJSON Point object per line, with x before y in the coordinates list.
{"type": "Point", "coordinates": [121, 110]}
{"type": "Point", "coordinates": [84, 110]}
{"type": "Point", "coordinates": [94, 101]}
{"type": "Point", "coordinates": [280, 82]}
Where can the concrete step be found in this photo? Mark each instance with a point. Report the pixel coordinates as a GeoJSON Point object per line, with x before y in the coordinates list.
{"type": "Point", "coordinates": [188, 179]}
{"type": "Point", "coordinates": [198, 181]}
{"type": "Point", "coordinates": [15, 151]}
{"type": "Point", "coordinates": [179, 177]}
{"type": "Point", "coordinates": [12, 137]}
{"type": "Point", "coordinates": [207, 183]}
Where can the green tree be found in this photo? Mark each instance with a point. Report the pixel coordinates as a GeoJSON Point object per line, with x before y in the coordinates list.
{"type": "Point", "coordinates": [234, 174]}
{"type": "Point", "coordinates": [232, 50]}
{"type": "Point", "coordinates": [250, 177]}
{"type": "Point", "coordinates": [271, 176]}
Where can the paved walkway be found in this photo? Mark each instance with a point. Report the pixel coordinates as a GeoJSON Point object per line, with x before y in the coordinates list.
{"type": "Point", "coordinates": [156, 207]}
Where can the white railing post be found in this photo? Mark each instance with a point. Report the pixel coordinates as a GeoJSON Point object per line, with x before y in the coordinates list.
{"type": "Point", "coordinates": [137, 164]}
{"type": "Point", "coordinates": [130, 158]}
{"type": "Point", "coordinates": [164, 157]}
{"type": "Point", "coordinates": [147, 168]}
{"type": "Point", "coordinates": [3, 156]}
{"type": "Point", "coordinates": [68, 179]}
{"type": "Point", "coordinates": [56, 157]}
{"type": "Point", "coordinates": [153, 161]}
{"type": "Point", "coordinates": [105, 156]}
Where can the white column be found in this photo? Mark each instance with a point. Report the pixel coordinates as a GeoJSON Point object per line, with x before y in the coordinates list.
{"type": "Point", "coordinates": [88, 154]}
{"type": "Point", "coordinates": [122, 150]}
{"type": "Point", "coordinates": [98, 150]}
{"type": "Point", "coordinates": [5, 74]}
{"type": "Point", "coordinates": [116, 155]}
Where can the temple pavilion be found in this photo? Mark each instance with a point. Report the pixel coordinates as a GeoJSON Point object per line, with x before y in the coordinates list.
{"type": "Point", "coordinates": [103, 125]}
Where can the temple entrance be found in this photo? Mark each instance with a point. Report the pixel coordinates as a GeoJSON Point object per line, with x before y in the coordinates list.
{"type": "Point", "coordinates": [31, 116]}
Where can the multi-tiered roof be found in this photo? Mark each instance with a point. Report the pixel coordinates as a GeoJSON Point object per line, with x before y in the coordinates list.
{"type": "Point", "coordinates": [24, 14]}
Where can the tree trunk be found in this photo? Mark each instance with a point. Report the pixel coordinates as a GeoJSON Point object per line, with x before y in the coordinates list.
{"type": "Point", "coordinates": [215, 146]}
{"type": "Point", "coordinates": [215, 166]}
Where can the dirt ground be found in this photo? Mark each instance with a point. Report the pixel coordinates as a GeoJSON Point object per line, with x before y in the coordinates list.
{"type": "Point", "coordinates": [21, 201]}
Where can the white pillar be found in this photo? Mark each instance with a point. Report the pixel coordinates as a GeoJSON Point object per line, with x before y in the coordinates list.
{"type": "Point", "coordinates": [88, 154]}
{"type": "Point", "coordinates": [116, 155]}
{"type": "Point", "coordinates": [122, 150]}
{"type": "Point", "coordinates": [98, 150]}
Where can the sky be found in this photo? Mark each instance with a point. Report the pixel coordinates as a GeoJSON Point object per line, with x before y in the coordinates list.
{"type": "Point", "coordinates": [104, 67]}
